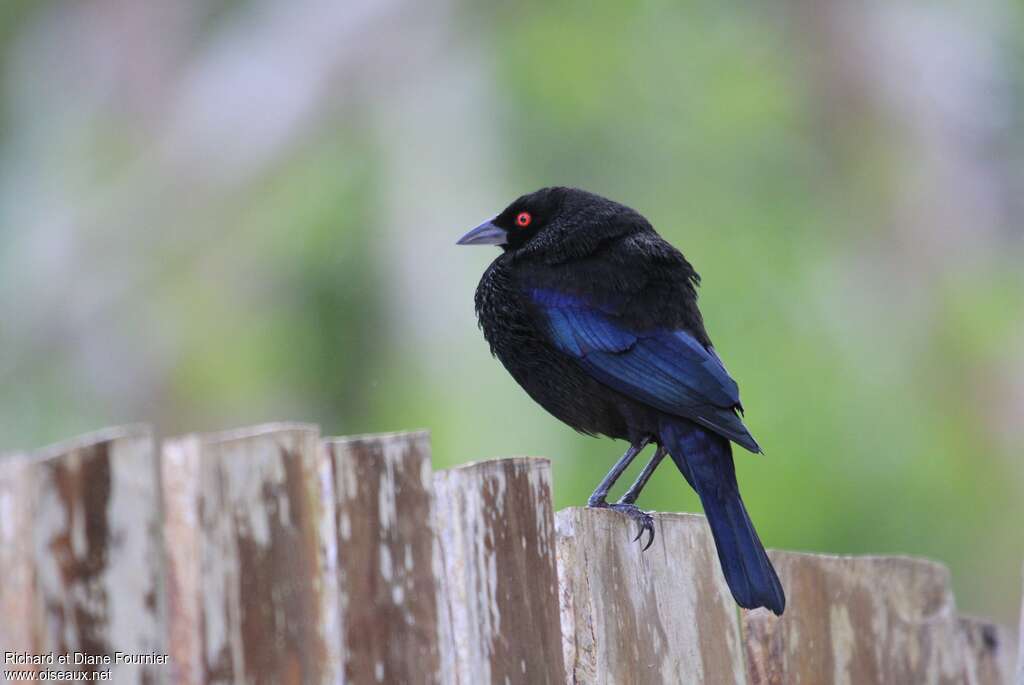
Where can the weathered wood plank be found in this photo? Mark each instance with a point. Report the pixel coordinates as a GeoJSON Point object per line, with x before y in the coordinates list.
{"type": "Point", "coordinates": [20, 627]}
{"type": "Point", "coordinates": [500, 592]}
{"type": "Point", "coordinates": [387, 558]}
{"type": "Point", "coordinates": [1020, 647]}
{"type": "Point", "coordinates": [80, 540]}
{"type": "Point", "coordinates": [294, 561]}
{"type": "Point", "coordinates": [251, 583]}
{"type": "Point", "coordinates": [989, 655]}
{"type": "Point", "coordinates": [860, 620]}
{"type": "Point", "coordinates": [629, 616]}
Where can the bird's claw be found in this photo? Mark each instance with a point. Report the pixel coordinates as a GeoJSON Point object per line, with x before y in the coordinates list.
{"type": "Point", "coordinates": [643, 526]}
{"type": "Point", "coordinates": [645, 522]}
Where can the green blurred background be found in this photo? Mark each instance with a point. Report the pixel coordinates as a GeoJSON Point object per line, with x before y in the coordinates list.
{"type": "Point", "coordinates": [223, 213]}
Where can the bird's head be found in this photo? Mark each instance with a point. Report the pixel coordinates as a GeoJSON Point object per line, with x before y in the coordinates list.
{"type": "Point", "coordinates": [553, 221]}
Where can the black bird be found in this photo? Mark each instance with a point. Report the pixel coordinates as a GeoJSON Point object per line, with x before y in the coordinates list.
{"type": "Point", "coordinates": [596, 316]}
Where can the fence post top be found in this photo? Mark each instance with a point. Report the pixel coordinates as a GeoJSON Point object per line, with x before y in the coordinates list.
{"type": "Point", "coordinates": [247, 432]}
{"type": "Point", "coordinates": [104, 435]}
{"type": "Point", "coordinates": [501, 464]}
{"type": "Point", "coordinates": [417, 435]}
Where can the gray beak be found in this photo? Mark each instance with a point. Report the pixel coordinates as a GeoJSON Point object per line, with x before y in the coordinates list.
{"type": "Point", "coordinates": [485, 234]}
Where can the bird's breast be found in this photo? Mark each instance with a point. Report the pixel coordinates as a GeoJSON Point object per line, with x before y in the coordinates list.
{"type": "Point", "coordinates": [550, 377]}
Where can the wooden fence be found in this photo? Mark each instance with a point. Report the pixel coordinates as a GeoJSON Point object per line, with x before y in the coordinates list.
{"type": "Point", "coordinates": [270, 555]}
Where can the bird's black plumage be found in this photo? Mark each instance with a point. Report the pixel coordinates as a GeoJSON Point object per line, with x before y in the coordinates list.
{"type": "Point", "coordinates": [596, 317]}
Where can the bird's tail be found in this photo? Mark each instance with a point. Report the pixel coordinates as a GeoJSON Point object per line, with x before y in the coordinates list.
{"type": "Point", "coordinates": [705, 459]}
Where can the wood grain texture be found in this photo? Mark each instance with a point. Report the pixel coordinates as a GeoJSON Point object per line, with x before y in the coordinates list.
{"type": "Point", "coordinates": [990, 652]}
{"type": "Point", "coordinates": [861, 620]}
{"type": "Point", "coordinates": [21, 626]}
{"type": "Point", "coordinates": [388, 561]}
{"type": "Point", "coordinates": [251, 585]}
{"type": "Point", "coordinates": [278, 558]}
{"type": "Point", "coordinates": [629, 616]}
{"type": "Point", "coordinates": [500, 581]}
{"type": "Point", "coordinates": [80, 533]}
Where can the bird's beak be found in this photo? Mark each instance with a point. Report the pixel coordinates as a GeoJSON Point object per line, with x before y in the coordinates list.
{"type": "Point", "coordinates": [485, 234]}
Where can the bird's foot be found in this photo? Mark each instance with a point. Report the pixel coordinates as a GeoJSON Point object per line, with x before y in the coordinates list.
{"type": "Point", "coordinates": [644, 521]}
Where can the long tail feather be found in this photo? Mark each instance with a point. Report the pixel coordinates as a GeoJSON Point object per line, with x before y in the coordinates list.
{"type": "Point", "coordinates": [705, 460]}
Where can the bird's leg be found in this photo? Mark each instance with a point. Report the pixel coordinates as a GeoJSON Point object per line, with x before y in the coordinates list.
{"type": "Point", "coordinates": [626, 502]}
{"type": "Point", "coordinates": [598, 499]}
{"type": "Point", "coordinates": [645, 475]}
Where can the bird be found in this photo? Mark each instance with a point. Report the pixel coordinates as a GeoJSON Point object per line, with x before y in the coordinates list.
{"type": "Point", "coordinates": [595, 315]}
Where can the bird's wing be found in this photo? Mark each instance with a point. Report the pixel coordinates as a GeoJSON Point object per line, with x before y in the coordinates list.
{"type": "Point", "coordinates": [667, 369]}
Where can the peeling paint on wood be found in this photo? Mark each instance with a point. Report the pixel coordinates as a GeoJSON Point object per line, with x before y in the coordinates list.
{"type": "Point", "coordinates": [253, 595]}
{"type": "Point", "coordinates": [863, 620]}
{"type": "Point", "coordinates": [84, 526]}
{"type": "Point", "coordinates": [500, 587]}
{"type": "Point", "coordinates": [386, 558]}
{"type": "Point", "coordinates": [629, 616]}
{"type": "Point", "coordinates": [276, 558]}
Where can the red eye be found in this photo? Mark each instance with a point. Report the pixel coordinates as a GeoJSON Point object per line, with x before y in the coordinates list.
{"type": "Point", "coordinates": [523, 219]}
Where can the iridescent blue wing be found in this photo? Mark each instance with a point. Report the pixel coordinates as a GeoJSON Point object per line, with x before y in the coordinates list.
{"type": "Point", "coordinates": [666, 369]}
